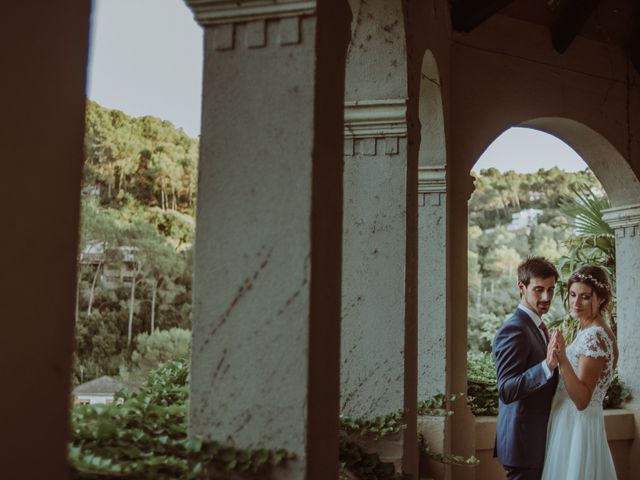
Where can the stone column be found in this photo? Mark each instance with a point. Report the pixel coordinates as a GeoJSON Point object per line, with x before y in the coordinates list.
{"type": "Point", "coordinates": [462, 430]}
{"type": "Point", "coordinates": [432, 305]}
{"type": "Point", "coordinates": [266, 320]}
{"type": "Point", "coordinates": [625, 220]}
{"type": "Point", "coordinates": [432, 281]}
{"type": "Point", "coordinates": [376, 360]}
{"type": "Point", "coordinates": [373, 307]}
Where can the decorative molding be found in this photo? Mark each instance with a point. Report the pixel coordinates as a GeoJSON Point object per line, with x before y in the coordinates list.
{"type": "Point", "coordinates": [624, 220]}
{"type": "Point", "coordinates": [215, 12]}
{"type": "Point", "coordinates": [432, 179]}
{"type": "Point", "coordinates": [375, 118]}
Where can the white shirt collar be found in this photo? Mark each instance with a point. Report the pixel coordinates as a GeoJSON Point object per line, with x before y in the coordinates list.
{"type": "Point", "coordinates": [535, 319]}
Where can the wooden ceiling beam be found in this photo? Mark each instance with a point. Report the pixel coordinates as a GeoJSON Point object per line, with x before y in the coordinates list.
{"type": "Point", "coordinates": [634, 44]}
{"type": "Point", "coordinates": [468, 14]}
{"type": "Point", "coordinates": [572, 16]}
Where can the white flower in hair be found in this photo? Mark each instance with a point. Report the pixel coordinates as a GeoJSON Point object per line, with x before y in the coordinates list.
{"type": "Point", "coordinates": [586, 276]}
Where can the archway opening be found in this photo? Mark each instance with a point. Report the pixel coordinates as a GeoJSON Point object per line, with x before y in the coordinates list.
{"type": "Point", "coordinates": [533, 194]}
{"type": "Point", "coordinates": [133, 292]}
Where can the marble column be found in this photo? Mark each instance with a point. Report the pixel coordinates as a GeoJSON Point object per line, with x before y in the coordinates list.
{"type": "Point", "coordinates": [266, 320]}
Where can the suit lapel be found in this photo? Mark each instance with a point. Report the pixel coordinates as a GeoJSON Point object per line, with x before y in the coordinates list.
{"type": "Point", "coordinates": [533, 330]}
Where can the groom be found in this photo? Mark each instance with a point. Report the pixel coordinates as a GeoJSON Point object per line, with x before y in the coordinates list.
{"type": "Point", "coordinates": [527, 376]}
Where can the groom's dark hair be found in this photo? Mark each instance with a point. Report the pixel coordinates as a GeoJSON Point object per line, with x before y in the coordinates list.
{"type": "Point", "coordinates": [538, 267]}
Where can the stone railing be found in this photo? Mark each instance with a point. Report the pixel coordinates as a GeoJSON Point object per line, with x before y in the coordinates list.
{"type": "Point", "coordinates": [619, 424]}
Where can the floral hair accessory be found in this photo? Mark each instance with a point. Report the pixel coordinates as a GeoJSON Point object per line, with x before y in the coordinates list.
{"type": "Point", "coordinates": [589, 278]}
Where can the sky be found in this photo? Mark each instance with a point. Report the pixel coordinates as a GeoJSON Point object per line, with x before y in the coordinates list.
{"type": "Point", "coordinates": [146, 59]}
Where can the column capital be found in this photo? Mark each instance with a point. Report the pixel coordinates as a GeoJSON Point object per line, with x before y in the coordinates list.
{"type": "Point", "coordinates": [622, 217]}
{"type": "Point", "coordinates": [375, 118]}
{"type": "Point", "coordinates": [212, 12]}
{"type": "Point", "coordinates": [432, 179]}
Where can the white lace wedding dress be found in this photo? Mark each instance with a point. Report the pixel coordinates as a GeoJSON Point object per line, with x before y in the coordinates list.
{"type": "Point", "coordinates": [577, 447]}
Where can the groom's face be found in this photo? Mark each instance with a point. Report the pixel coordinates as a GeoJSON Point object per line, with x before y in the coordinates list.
{"type": "Point", "coordinates": [538, 294]}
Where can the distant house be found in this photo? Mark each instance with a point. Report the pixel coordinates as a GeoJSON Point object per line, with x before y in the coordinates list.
{"type": "Point", "coordinates": [523, 220]}
{"type": "Point", "coordinates": [119, 264]}
{"type": "Point", "coordinates": [99, 390]}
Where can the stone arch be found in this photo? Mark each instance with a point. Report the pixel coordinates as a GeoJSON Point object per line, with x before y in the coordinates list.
{"type": "Point", "coordinates": [606, 162]}
{"type": "Point", "coordinates": [433, 150]}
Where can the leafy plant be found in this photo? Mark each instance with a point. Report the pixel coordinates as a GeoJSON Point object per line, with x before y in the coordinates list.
{"type": "Point", "coordinates": [144, 435]}
{"type": "Point", "coordinates": [377, 427]}
{"type": "Point", "coordinates": [617, 394]}
{"type": "Point", "coordinates": [364, 465]}
{"type": "Point", "coordinates": [482, 389]}
{"type": "Point", "coordinates": [445, 458]}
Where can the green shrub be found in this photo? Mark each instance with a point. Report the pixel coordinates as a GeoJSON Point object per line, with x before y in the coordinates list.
{"type": "Point", "coordinates": [144, 435]}
{"type": "Point", "coordinates": [483, 390]}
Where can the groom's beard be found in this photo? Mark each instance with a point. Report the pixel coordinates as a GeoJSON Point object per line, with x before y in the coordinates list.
{"type": "Point", "coordinates": [543, 307]}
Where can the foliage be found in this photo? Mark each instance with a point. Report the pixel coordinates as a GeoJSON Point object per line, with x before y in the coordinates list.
{"type": "Point", "coordinates": [617, 394]}
{"type": "Point", "coordinates": [364, 465]}
{"type": "Point", "coordinates": [154, 349]}
{"type": "Point", "coordinates": [445, 458]}
{"type": "Point", "coordinates": [496, 246]}
{"type": "Point", "coordinates": [138, 202]}
{"type": "Point", "coordinates": [144, 435]}
{"type": "Point", "coordinates": [593, 244]}
{"type": "Point", "coordinates": [482, 390]}
{"type": "Point", "coordinates": [376, 427]}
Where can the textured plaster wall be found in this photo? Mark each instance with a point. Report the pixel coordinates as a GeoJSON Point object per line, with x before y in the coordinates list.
{"type": "Point", "coordinates": [252, 257]}
{"type": "Point", "coordinates": [265, 346]}
{"type": "Point", "coordinates": [376, 59]}
{"type": "Point", "coordinates": [375, 218]}
{"type": "Point", "coordinates": [432, 306]}
{"type": "Point", "coordinates": [374, 278]}
{"type": "Point", "coordinates": [628, 305]}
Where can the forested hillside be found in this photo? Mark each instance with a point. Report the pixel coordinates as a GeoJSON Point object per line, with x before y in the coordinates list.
{"type": "Point", "coordinates": [138, 201]}
{"type": "Point", "coordinates": [512, 216]}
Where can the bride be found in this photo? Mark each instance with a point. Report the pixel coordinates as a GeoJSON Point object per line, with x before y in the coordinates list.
{"type": "Point", "coordinates": [577, 447]}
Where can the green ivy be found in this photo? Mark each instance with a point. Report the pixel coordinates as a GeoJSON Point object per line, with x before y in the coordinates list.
{"type": "Point", "coordinates": [375, 428]}
{"type": "Point", "coordinates": [144, 435]}
{"type": "Point", "coordinates": [445, 458]}
{"type": "Point", "coordinates": [364, 465]}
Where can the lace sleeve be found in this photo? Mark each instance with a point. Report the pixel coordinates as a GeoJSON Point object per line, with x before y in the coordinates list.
{"type": "Point", "coordinates": [595, 344]}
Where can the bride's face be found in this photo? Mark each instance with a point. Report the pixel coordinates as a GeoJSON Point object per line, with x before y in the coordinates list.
{"type": "Point", "coordinates": [584, 302]}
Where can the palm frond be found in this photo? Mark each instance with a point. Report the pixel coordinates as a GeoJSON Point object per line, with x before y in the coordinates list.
{"type": "Point", "coordinates": [586, 210]}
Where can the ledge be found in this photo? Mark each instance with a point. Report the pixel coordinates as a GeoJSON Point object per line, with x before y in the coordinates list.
{"type": "Point", "coordinates": [620, 217]}
{"type": "Point", "coordinates": [619, 424]}
{"type": "Point", "coordinates": [375, 118]}
{"type": "Point", "coordinates": [211, 12]}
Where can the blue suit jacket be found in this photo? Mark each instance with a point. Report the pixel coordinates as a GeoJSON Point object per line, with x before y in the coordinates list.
{"type": "Point", "coordinates": [524, 393]}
